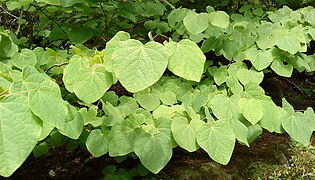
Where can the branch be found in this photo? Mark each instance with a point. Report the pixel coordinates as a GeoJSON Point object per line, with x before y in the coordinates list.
{"type": "Point", "coordinates": [56, 65]}
{"type": "Point", "coordinates": [39, 9]}
{"type": "Point", "coordinates": [9, 13]}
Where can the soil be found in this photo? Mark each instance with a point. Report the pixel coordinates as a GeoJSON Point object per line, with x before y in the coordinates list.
{"type": "Point", "coordinates": [270, 148]}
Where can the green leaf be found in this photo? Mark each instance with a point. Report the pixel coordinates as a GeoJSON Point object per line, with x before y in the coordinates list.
{"type": "Point", "coordinates": [297, 126]}
{"type": "Point", "coordinates": [184, 133]}
{"type": "Point", "coordinates": [310, 18]}
{"type": "Point", "coordinates": [149, 99]}
{"type": "Point", "coordinates": [48, 106]}
{"type": "Point", "coordinates": [80, 35]}
{"type": "Point", "coordinates": [218, 140]}
{"type": "Point", "coordinates": [220, 75]}
{"type": "Point", "coordinates": [90, 80]}
{"type": "Point", "coordinates": [121, 138]}
{"type": "Point", "coordinates": [288, 42]}
{"type": "Point", "coordinates": [225, 107]}
{"type": "Point", "coordinates": [251, 109]}
{"type": "Point", "coordinates": [46, 131]}
{"type": "Point", "coordinates": [245, 76]}
{"type": "Point", "coordinates": [111, 97]}
{"type": "Point", "coordinates": [70, 73]}
{"type": "Point", "coordinates": [253, 132]}
{"type": "Point", "coordinates": [260, 59]}
{"type": "Point", "coordinates": [25, 58]}
{"type": "Point", "coordinates": [90, 116]}
{"type": "Point", "coordinates": [282, 69]}
{"type": "Point", "coordinates": [177, 15]}
{"type": "Point", "coordinates": [265, 41]}
{"type": "Point", "coordinates": [196, 23]}
{"type": "Point", "coordinates": [112, 113]}
{"type": "Point", "coordinates": [310, 115]}
{"type": "Point", "coordinates": [240, 131]}
{"type": "Point", "coordinates": [97, 143]}
{"type": "Point", "coordinates": [164, 125]}
{"type": "Point", "coordinates": [19, 133]}
{"type": "Point", "coordinates": [33, 80]}
{"type": "Point", "coordinates": [271, 119]}
{"type": "Point", "coordinates": [73, 124]}
{"type": "Point", "coordinates": [186, 59]}
{"type": "Point", "coordinates": [110, 48]}
{"type": "Point", "coordinates": [153, 150]}
{"type": "Point", "coordinates": [168, 97]}
{"type": "Point", "coordinates": [139, 66]}
{"type": "Point", "coordinates": [69, 3]}
{"type": "Point", "coordinates": [220, 19]}
{"type": "Point", "coordinates": [40, 150]}
{"type": "Point", "coordinates": [82, 80]}
{"type": "Point", "coordinates": [164, 111]}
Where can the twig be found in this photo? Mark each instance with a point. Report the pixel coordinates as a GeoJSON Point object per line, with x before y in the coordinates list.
{"type": "Point", "coordinates": [19, 26]}
{"type": "Point", "coordinates": [173, 7]}
{"type": "Point", "coordinates": [50, 19]}
{"type": "Point", "coordinates": [296, 86]}
{"type": "Point", "coordinates": [9, 13]}
{"type": "Point", "coordinates": [56, 65]}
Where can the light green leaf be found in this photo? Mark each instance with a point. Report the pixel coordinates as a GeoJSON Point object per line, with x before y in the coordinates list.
{"type": "Point", "coordinates": [110, 48]}
{"type": "Point", "coordinates": [149, 99]}
{"type": "Point", "coordinates": [71, 72]}
{"type": "Point", "coordinates": [281, 69]}
{"type": "Point", "coordinates": [220, 75]}
{"type": "Point", "coordinates": [220, 19]}
{"type": "Point", "coordinates": [310, 115]}
{"type": "Point", "coordinates": [46, 131]}
{"type": "Point", "coordinates": [139, 66]}
{"type": "Point", "coordinates": [19, 133]}
{"type": "Point", "coordinates": [90, 116]}
{"type": "Point", "coordinates": [196, 23]}
{"type": "Point", "coordinates": [73, 124]}
{"type": "Point", "coordinates": [90, 80]}
{"type": "Point", "coordinates": [240, 130]}
{"type": "Point", "coordinates": [253, 132]}
{"type": "Point", "coordinates": [168, 97]}
{"type": "Point", "coordinates": [260, 59]}
{"type": "Point", "coordinates": [97, 143]}
{"type": "Point", "coordinates": [48, 106]}
{"type": "Point", "coordinates": [164, 125]}
{"type": "Point", "coordinates": [184, 133]}
{"type": "Point", "coordinates": [265, 41]}
{"type": "Point", "coordinates": [82, 80]}
{"type": "Point", "coordinates": [224, 107]}
{"type": "Point", "coordinates": [164, 111]}
{"type": "Point", "coordinates": [112, 114]}
{"type": "Point", "coordinates": [297, 126]}
{"type": "Point", "coordinates": [177, 15]}
{"type": "Point", "coordinates": [186, 59]}
{"type": "Point", "coordinates": [288, 42]}
{"type": "Point", "coordinates": [310, 18]}
{"type": "Point", "coordinates": [245, 76]}
{"type": "Point", "coordinates": [153, 150]}
{"type": "Point", "coordinates": [111, 97]}
{"type": "Point", "coordinates": [121, 138]}
{"type": "Point", "coordinates": [271, 119]}
{"type": "Point", "coordinates": [251, 109]}
{"type": "Point", "coordinates": [25, 58]}
{"type": "Point", "coordinates": [218, 140]}
{"type": "Point", "coordinates": [69, 3]}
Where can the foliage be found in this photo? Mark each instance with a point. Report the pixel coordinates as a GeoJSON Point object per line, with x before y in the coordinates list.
{"type": "Point", "coordinates": [178, 96]}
